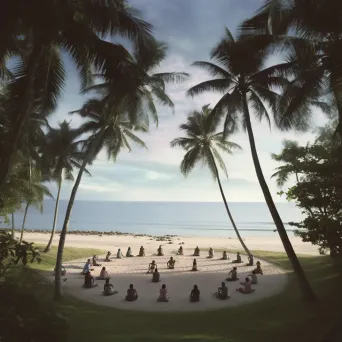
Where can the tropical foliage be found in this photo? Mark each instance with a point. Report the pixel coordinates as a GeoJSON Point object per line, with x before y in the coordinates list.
{"type": "Point", "coordinates": [202, 144]}
{"type": "Point", "coordinates": [246, 85]}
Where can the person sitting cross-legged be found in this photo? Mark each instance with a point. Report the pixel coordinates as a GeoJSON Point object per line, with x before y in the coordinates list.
{"type": "Point", "coordinates": [224, 256]}
{"type": "Point", "coordinates": [119, 254]}
{"type": "Point", "coordinates": [247, 287]}
{"type": "Point", "coordinates": [232, 275]}
{"type": "Point", "coordinates": [132, 294]}
{"type": "Point", "coordinates": [108, 289]}
{"type": "Point", "coordinates": [151, 267]}
{"type": "Point", "coordinates": [238, 259]}
{"type": "Point", "coordinates": [254, 277]}
{"type": "Point", "coordinates": [222, 291]}
{"type": "Point", "coordinates": [95, 263]}
{"type": "Point", "coordinates": [194, 265]}
{"type": "Point", "coordinates": [89, 281]}
{"type": "Point", "coordinates": [141, 252]}
{"type": "Point", "coordinates": [195, 294]}
{"type": "Point", "coordinates": [103, 274]}
{"type": "Point", "coordinates": [156, 276]}
{"type": "Point", "coordinates": [86, 268]}
{"type": "Point", "coordinates": [171, 263]}
{"type": "Point", "coordinates": [160, 251]}
{"type": "Point", "coordinates": [258, 269]}
{"type": "Point", "coordinates": [163, 294]}
{"type": "Point", "coordinates": [129, 253]}
{"type": "Point", "coordinates": [180, 251]}
{"type": "Point", "coordinates": [250, 260]}
{"type": "Point", "coordinates": [211, 253]}
{"type": "Point", "coordinates": [197, 252]}
{"type": "Point", "coordinates": [108, 256]}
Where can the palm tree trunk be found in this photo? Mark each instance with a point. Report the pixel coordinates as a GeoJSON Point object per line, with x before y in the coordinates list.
{"type": "Point", "coordinates": [229, 213]}
{"type": "Point", "coordinates": [24, 220]}
{"type": "Point", "coordinates": [26, 109]}
{"type": "Point", "coordinates": [307, 291]}
{"type": "Point", "coordinates": [87, 159]}
{"type": "Point", "coordinates": [48, 247]}
{"type": "Point", "coordinates": [13, 234]}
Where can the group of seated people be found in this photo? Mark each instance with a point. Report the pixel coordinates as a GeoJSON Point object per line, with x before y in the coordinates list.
{"type": "Point", "coordinates": [119, 254]}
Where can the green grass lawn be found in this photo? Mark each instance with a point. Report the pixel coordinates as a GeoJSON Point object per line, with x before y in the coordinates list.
{"type": "Point", "coordinates": [49, 259]}
{"type": "Point", "coordinates": [282, 318]}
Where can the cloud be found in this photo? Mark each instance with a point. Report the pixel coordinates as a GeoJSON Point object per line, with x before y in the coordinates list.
{"type": "Point", "coordinates": [191, 28]}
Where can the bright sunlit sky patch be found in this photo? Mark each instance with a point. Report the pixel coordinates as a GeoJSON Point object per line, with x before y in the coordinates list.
{"type": "Point", "coordinates": [191, 28]}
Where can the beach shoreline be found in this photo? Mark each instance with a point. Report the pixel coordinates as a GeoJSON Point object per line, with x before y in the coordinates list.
{"type": "Point", "coordinates": [111, 242]}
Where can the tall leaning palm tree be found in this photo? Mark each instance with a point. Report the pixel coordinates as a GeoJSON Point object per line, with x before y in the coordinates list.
{"type": "Point", "coordinates": [201, 143]}
{"type": "Point", "coordinates": [110, 129]}
{"type": "Point", "coordinates": [36, 42]}
{"type": "Point", "coordinates": [61, 154]}
{"type": "Point", "coordinates": [246, 85]}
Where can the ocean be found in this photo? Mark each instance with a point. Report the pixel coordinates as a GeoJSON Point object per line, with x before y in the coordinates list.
{"type": "Point", "coordinates": [162, 218]}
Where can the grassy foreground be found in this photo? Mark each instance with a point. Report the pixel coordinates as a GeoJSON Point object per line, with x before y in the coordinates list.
{"type": "Point", "coordinates": [281, 318]}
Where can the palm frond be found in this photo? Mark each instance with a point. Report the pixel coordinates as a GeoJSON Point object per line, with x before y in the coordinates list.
{"type": "Point", "coordinates": [213, 69]}
{"type": "Point", "coordinates": [190, 159]}
{"type": "Point", "coordinates": [215, 85]}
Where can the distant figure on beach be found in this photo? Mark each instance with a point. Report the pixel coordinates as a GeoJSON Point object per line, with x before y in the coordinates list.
{"type": "Point", "coordinates": [247, 287]}
{"type": "Point", "coordinates": [132, 294]}
{"type": "Point", "coordinates": [108, 289]}
{"type": "Point", "coordinates": [163, 294]}
{"type": "Point", "coordinates": [222, 292]}
{"type": "Point", "coordinates": [156, 276]}
{"type": "Point", "coordinates": [151, 267]}
{"type": "Point", "coordinates": [232, 275]}
{"type": "Point", "coordinates": [211, 253]}
{"type": "Point", "coordinates": [171, 263]}
{"type": "Point", "coordinates": [86, 268]}
{"type": "Point", "coordinates": [160, 251]}
{"type": "Point", "coordinates": [95, 263]}
{"type": "Point", "coordinates": [180, 251]}
{"type": "Point", "coordinates": [238, 259]}
{"type": "Point", "coordinates": [129, 253]}
{"type": "Point", "coordinates": [197, 252]}
{"type": "Point", "coordinates": [119, 254]}
{"type": "Point", "coordinates": [103, 274]}
{"type": "Point", "coordinates": [250, 260]}
{"type": "Point", "coordinates": [254, 277]}
{"type": "Point", "coordinates": [142, 251]}
{"type": "Point", "coordinates": [108, 256]}
{"type": "Point", "coordinates": [194, 265]}
{"type": "Point", "coordinates": [258, 269]}
{"type": "Point", "coordinates": [195, 294]}
{"type": "Point", "coordinates": [89, 281]}
{"type": "Point", "coordinates": [224, 255]}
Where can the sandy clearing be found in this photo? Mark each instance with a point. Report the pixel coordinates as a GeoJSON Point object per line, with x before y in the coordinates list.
{"type": "Point", "coordinates": [179, 283]}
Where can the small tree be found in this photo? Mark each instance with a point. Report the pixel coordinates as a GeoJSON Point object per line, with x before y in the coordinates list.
{"type": "Point", "coordinates": [318, 192]}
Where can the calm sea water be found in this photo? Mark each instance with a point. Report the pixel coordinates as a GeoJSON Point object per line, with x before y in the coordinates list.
{"type": "Point", "coordinates": [161, 218]}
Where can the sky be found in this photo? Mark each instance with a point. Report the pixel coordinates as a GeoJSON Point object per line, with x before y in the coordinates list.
{"type": "Point", "coordinates": [190, 28]}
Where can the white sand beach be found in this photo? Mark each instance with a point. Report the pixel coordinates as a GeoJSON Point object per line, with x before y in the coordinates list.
{"type": "Point", "coordinates": [113, 242]}
{"type": "Point", "coordinates": [180, 280]}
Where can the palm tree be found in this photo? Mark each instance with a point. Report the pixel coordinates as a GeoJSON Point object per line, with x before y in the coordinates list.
{"type": "Point", "coordinates": [61, 154]}
{"type": "Point", "coordinates": [244, 83]}
{"type": "Point", "coordinates": [310, 35]}
{"type": "Point", "coordinates": [151, 87]}
{"type": "Point", "coordinates": [34, 192]}
{"type": "Point", "coordinates": [37, 41]}
{"type": "Point", "coordinates": [113, 122]}
{"type": "Point", "coordinates": [201, 145]}
{"type": "Point", "coordinates": [111, 130]}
